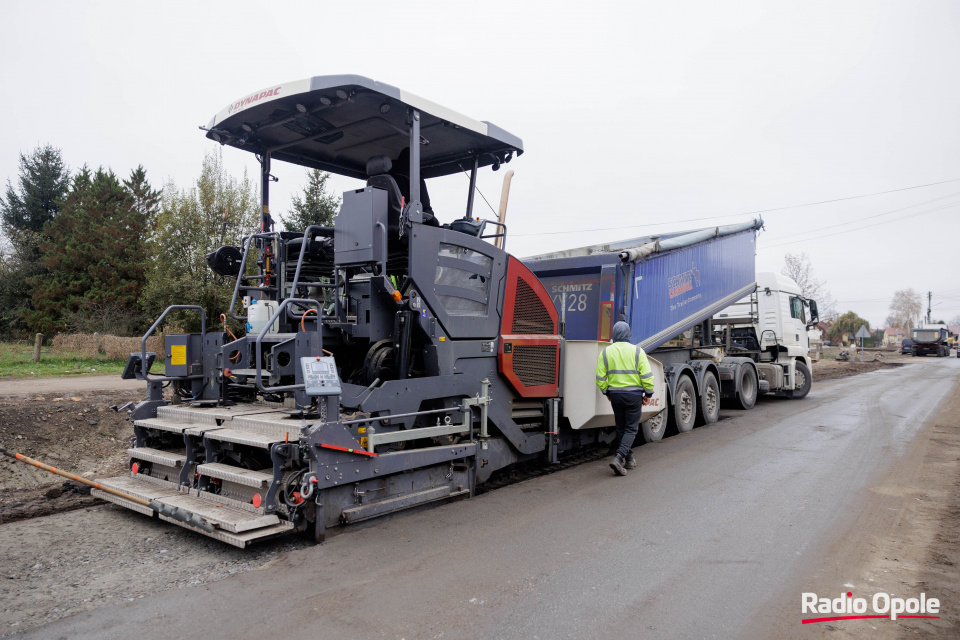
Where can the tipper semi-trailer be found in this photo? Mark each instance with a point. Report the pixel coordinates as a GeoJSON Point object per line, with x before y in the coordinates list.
{"type": "Point", "coordinates": [402, 357]}
{"type": "Point", "coordinates": [746, 333]}
{"type": "Point", "coordinates": [931, 339]}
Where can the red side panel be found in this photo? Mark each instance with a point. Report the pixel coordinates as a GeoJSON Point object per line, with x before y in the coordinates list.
{"type": "Point", "coordinates": [529, 352]}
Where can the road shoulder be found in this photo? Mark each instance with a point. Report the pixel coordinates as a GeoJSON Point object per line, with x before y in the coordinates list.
{"type": "Point", "coordinates": [902, 539]}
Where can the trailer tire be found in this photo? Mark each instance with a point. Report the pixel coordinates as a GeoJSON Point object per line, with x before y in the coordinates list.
{"type": "Point", "coordinates": [748, 388]}
{"type": "Point", "coordinates": [709, 399]}
{"type": "Point", "coordinates": [802, 375]}
{"type": "Point", "coordinates": [684, 409]}
{"type": "Point", "coordinates": [654, 428]}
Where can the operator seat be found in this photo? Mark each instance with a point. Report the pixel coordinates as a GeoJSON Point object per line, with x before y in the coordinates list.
{"type": "Point", "coordinates": [383, 173]}
{"type": "Point", "coordinates": [378, 176]}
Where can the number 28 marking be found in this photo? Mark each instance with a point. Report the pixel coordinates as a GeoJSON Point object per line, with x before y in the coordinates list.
{"type": "Point", "coordinates": [575, 302]}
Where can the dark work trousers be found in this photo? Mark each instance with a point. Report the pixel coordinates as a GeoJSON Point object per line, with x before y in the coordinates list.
{"type": "Point", "coordinates": [626, 411]}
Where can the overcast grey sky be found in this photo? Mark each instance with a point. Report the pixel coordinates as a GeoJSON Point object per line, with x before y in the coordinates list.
{"type": "Point", "coordinates": [637, 117]}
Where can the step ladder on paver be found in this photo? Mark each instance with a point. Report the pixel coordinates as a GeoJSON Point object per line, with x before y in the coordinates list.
{"type": "Point", "coordinates": [214, 462]}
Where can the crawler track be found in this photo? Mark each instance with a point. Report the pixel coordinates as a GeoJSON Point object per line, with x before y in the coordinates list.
{"type": "Point", "coordinates": [536, 469]}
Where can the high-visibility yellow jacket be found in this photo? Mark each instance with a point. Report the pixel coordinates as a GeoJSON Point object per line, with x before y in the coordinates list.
{"type": "Point", "coordinates": [624, 368]}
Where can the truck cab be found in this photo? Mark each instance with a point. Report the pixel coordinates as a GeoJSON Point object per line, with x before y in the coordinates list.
{"type": "Point", "coordinates": [770, 326]}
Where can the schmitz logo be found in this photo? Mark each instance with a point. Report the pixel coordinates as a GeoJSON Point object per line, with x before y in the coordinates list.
{"type": "Point", "coordinates": [684, 282]}
{"type": "Point", "coordinates": [882, 605]}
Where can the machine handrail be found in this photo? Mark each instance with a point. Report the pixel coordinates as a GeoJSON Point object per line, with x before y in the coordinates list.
{"type": "Point", "coordinates": [502, 234]}
{"type": "Point", "coordinates": [266, 328]}
{"type": "Point", "coordinates": [296, 275]}
{"type": "Point", "coordinates": [143, 341]}
{"type": "Point", "coordinates": [246, 243]}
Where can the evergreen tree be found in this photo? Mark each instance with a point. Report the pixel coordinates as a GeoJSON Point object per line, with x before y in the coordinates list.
{"type": "Point", "coordinates": [146, 200]}
{"type": "Point", "coordinates": [43, 182]}
{"type": "Point", "coordinates": [94, 254]}
{"type": "Point", "coordinates": [217, 211]}
{"type": "Point", "coordinates": [315, 206]}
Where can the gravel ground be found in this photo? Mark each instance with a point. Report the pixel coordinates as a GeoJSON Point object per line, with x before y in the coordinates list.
{"type": "Point", "coordinates": [107, 554]}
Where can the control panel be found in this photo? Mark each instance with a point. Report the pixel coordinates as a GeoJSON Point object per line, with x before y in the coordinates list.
{"type": "Point", "coordinates": [320, 376]}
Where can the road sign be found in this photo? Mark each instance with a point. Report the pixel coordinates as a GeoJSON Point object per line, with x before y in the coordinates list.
{"type": "Point", "coordinates": [862, 332]}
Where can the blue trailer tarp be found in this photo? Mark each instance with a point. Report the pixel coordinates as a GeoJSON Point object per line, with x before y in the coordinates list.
{"type": "Point", "coordinates": [660, 292]}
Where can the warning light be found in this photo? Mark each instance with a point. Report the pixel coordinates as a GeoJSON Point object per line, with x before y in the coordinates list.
{"type": "Point", "coordinates": [135, 468]}
{"type": "Point", "coordinates": [256, 500]}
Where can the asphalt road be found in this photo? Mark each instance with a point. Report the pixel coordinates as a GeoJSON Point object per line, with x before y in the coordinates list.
{"type": "Point", "coordinates": [712, 526]}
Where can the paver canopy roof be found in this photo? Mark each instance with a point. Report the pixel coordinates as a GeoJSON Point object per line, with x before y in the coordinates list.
{"type": "Point", "coordinates": [337, 123]}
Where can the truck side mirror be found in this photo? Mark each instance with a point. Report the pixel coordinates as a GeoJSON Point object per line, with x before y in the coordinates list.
{"type": "Point", "coordinates": [814, 316]}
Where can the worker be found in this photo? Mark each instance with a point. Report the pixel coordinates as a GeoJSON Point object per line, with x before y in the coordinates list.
{"type": "Point", "coordinates": [625, 378]}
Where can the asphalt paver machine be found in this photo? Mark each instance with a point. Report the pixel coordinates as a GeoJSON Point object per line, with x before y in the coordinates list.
{"type": "Point", "coordinates": [390, 361]}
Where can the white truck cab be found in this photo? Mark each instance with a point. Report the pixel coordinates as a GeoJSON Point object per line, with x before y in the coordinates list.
{"type": "Point", "coordinates": [770, 327]}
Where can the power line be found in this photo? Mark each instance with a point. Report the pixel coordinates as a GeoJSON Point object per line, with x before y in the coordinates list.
{"type": "Point", "coordinates": [877, 215]}
{"type": "Point", "coordinates": [731, 215]}
{"type": "Point", "coordinates": [631, 226]}
{"type": "Point", "coordinates": [866, 300]}
{"type": "Point", "coordinates": [866, 195]}
{"type": "Point", "coordinates": [876, 224]}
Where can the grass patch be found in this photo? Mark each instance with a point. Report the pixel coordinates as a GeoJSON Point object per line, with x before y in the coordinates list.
{"type": "Point", "coordinates": [16, 362]}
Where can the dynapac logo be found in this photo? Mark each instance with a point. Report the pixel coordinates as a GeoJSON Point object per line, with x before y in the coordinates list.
{"type": "Point", "coordinates": [684, 282]}
{"type": "Point", "coordinates": [253, 98]}
{"type": "Point", "coordinates": [882, 605]}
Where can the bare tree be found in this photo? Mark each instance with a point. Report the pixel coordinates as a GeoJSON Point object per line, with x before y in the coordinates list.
{"type": "Point", "coordinates": [797, 267]}
{"type": "Point", "coordinates": [906, 309]}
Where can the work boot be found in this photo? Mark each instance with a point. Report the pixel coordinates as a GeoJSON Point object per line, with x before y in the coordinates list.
{"type": "Point", "coordinates": [631, 462]}
{"type": "Point", "coordinates": [617, 465]}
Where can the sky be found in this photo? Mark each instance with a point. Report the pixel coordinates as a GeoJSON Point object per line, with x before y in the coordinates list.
{"type": "Point", "coordinates": [637, 118]}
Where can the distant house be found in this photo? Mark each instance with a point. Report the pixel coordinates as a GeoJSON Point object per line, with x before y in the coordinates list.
{"type": "Point", "coordinates": [893, 337]}
{"type": "Point", "coordinates": [824, 328]}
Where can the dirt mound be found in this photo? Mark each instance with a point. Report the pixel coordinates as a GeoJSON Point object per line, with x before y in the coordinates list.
{"type": "Point", "coordinates": [22, 504]}
{"type": "Point", "coordinates": [80, 434]}
{"type": "Point", "coordinates": [830, 368]}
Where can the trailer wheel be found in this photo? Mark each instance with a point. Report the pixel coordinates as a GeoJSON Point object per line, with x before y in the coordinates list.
{"type": "Point", "coordinates": [709, 399]}
{"type": "Point", "coordinates": [684, 409]}
{"type": "Point", "coordinates": [802, 380]}
{"type": "Point", "coordinates": [747, 395]}
{"type": "Point", "coordinates": [654, 428]}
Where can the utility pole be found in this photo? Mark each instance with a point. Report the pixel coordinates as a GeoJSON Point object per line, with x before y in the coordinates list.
{"type": "Point", "coordinates": [929, 304]}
